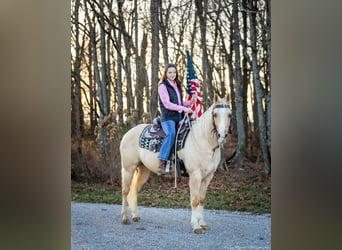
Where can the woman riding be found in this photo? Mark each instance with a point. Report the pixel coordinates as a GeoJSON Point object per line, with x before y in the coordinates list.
{"type": "Point", "coordinates": [172, 107]}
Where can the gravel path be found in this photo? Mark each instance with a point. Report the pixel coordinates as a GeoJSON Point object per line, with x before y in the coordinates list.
{"type": "Point", "coordinates": [98, 226]}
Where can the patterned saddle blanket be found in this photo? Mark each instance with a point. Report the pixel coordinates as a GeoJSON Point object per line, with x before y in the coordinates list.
{"type": "Point", "coordinates": [152, 136]}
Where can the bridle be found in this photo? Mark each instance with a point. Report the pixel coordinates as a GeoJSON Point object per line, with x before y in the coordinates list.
{"type": "Point", "coordinates": [217, 106]}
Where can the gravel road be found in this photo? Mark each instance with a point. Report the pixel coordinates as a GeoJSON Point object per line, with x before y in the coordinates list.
{"type": "Point", "coordinates": [98, 226]}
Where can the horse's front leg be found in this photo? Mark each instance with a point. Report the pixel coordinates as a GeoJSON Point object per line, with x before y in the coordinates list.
{"type": "Point", "coordinates": [203, 190]}
{"type": "Point", "coordinates": [195, 185]}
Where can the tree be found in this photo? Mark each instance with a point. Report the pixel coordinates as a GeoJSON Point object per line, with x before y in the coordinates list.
{"type": "Point", "coordinates": [128, 43]}
{"type": "Point", "coordinates": [155, 7]}
{"type": "Point", "coordinates": [118, 54]}
{"type": "Point", "coordinates": [207, 71]}
{"type": "Point", "coordinates": [76, 89]}
{"type": "Point", "coordinates": [240, 154]}
{"type": "Point", "coordinates": [141, 75]}
{"type": "Point", "coordinates": [259, 90]}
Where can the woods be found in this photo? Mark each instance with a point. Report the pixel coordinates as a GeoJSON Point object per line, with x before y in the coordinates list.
{"type": "Point", "coordinates": [119, 48]}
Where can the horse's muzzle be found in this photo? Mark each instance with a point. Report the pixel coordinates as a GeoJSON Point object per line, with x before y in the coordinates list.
{"type": "Point", "coordinates": [221, 139]}
{"type": "Point", "coordinates": [224, 136]}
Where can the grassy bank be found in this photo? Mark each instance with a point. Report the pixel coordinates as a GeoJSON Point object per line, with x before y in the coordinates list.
{"type": "Point", "coordinates": [246, 189]}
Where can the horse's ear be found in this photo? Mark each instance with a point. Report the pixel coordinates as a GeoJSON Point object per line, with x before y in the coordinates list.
{"type": "Point", "coordinates": [227, 98]}
{"type": "Point", "coordinates": [216, 98]}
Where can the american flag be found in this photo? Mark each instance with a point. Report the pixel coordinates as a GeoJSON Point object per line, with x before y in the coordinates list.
{"type": "Point", "coordinates": [193, 88]}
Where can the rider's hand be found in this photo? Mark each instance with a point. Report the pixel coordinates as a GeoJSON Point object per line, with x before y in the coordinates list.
{"type": "Point", "coordinates": [187, 110]}
{"type": "Point", "coordinates": [193, 99]}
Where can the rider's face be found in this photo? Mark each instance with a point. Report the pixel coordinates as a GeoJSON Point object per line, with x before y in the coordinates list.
{"type": "Point", "coordinates": [171, 73]}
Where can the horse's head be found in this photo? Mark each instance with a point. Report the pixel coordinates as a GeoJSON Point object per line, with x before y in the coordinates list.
{"type": "Point", "coordinates": [221, 115]}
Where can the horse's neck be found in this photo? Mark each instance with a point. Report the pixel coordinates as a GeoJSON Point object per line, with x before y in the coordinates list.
{"type": "Point", "coordinates": [203, 129]}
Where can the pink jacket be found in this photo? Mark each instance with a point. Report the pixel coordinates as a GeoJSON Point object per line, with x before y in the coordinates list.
{"type": "Point", "coordinates": [164, 97]}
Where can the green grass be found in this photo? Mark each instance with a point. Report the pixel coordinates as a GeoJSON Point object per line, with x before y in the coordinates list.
{"type": "Point", "coordinates": [93, 193]}
{"type": "Point", "coordinates": [248, 191]}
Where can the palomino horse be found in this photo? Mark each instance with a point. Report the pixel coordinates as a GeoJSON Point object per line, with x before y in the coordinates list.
{"type": "Point", "coordinates": [201, 156]}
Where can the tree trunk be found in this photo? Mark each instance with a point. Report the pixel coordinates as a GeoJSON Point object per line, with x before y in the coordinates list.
{"type": "Point", "coordinates": [119, 78]}
{"type": "Point", "coordinates": [102, 104]}
{"type": "Point", "coordinates": [206, 68]}
{"type": "Point", "coordinates": [108, 66]}
{"type": "Point", "coordinates": [127, 65]}
{"type": "Point", "coordinates": [240, 154]}
{"type": "Point", "coordinates": [267, 41]}
{"type": "Point", "coordinates": [103, 82]}
{"type": "Point", "coordinates": [76, 82]}
{"type": "Point", "coordinates": [231, 80]}
{"type": "Point", "coordinates": [259, 93]}
{"type": "Point", "coordinates": [155, 6]}
{"type": "Point", "coordinates": [138, 86]}
{"type": "Point", "coordinates": [92, 93]}
{"type": "Point", "coordinates": [164, 21]}
{"type": "Point", "coordinates": [245, 75]}
{"type": "Point", "coordinates": [141, 75]}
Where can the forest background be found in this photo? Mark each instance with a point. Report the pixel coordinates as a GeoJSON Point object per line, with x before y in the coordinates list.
{"type": "Point", "coordinates": [118, 53]}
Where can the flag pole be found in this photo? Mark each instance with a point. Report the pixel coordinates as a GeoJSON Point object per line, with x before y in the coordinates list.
{"type": "Point", "coordinates": [196, 115]}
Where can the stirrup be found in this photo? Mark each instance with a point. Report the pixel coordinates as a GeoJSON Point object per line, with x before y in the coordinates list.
{"type": "Point", "coordinates": [161, 168]}
{"type": "Point", "coordinates": [168, 168]}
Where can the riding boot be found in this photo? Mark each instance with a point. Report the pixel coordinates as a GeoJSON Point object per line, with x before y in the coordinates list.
{"type": "Point", "coordinates": [161, 168]}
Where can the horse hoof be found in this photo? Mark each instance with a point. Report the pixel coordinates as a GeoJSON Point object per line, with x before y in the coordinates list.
{"type": "Point", "coordinates": [198, 230]}
{"type": "Point", "coordinates": [136, 219]}
{"type": "Point", "coordinates": [126, 221]}
{"type": "Point", "coordinates": [204, 227]}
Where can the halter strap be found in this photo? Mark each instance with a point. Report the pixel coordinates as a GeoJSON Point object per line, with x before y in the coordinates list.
{"type": "Point", "coordinates": [221, 106]}
{"type": "Point", "coordinates": [217, 106]}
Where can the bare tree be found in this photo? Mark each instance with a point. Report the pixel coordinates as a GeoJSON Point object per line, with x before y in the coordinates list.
{"type": "Point", "coordinates": [202, 7]}
{"type": "Point", "coordinates": [76, 87]}
{"type": "Point", "coordinates": [164, 17]}
{"type": "Point", "coordinates": [103, 82]}
{"type": "Point", "coordinates": [245, 72]}
{"type": "Point", "coordinates": [155, 7]}
{"type": "Point", "coordinates": [259, 90]}
{"type": "Point", "coordinates": [118, 50]}
{"type": "Point", "coordinates": [128, 43]}
{"type": "Point", "coordinates": [141, 75]}
{"type": "Point", "coordinates": [92, 92]}
{"type": "Point", "coordinates": [119, 59]}
{"type": "Point", "coordinates": [240, 154]}
{"type": "Point", "coordinates": [101, 86]}
{"type": "Point", "coordinates": [79, 162]}
{"type": "Point", "coordinates": [266, 41]}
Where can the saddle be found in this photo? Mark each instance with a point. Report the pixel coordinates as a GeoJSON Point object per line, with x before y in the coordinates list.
{"type": "Point", "coordinates": [152, 137]}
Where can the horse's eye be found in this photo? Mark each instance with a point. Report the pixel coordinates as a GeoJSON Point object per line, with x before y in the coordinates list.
{"type": "Point", "coordinates": [230, 116]}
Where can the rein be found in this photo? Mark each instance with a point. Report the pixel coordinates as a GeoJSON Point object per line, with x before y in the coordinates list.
{"type": "Point", "coordinates": [185, 119]}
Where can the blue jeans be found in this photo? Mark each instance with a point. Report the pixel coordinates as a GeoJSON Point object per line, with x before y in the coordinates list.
{"type": "Point", "coordinates": [169, 128]}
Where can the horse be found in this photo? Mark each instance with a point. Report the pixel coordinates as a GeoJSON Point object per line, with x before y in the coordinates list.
{"type": "Point", "coordinates": [201, 156]}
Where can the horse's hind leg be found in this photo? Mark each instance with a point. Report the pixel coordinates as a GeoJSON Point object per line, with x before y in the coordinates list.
{"type": "Point", "coordinates": [126, 178]}
{"type": "Point", "coordinates": [141, 175]}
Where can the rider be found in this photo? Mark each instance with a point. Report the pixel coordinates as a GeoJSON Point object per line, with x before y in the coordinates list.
{"type": "Point", "coordinates": [172, 108]}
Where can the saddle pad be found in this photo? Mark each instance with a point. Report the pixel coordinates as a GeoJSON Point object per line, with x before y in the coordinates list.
{"type": "Point", "coordinates": [152, 137]}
